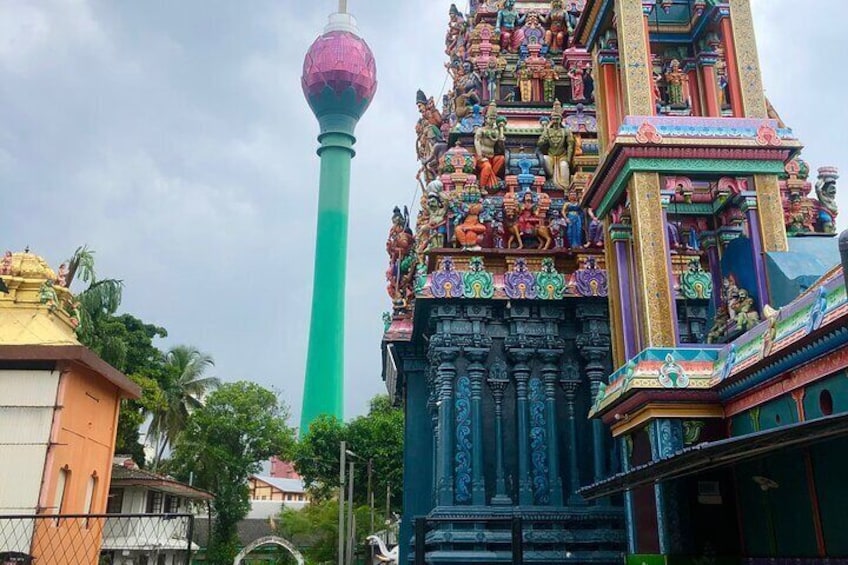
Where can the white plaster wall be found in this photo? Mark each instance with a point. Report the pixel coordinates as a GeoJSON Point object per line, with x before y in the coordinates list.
{"type": "Point", "coordinates": [27, 401]}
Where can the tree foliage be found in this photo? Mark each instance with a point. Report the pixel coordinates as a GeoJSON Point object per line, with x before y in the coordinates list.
{"type": "Point", "coordinates": [377, 436]}
{"type": "Point", "coordinates": [183, 389]}
{"type": "Point", "coordinates": [315, 529]}
{"type": "Point", "coordinates": [224, 442]}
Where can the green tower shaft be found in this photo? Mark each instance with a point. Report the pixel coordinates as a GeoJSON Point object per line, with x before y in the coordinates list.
{"type": "Point", "coordinates": [324, 386]}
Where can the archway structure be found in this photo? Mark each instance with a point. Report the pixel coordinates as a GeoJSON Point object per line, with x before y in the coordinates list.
{"type": "Point", "coordinates": [269, 540]}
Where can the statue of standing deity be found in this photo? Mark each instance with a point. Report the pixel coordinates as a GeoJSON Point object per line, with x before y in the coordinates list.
{"type": "Point", "coordinates": [576, 76]}
{"type": "Point", "coordinates": [558, 142]}
{"type": "Point", "coordinates": [507, 24]}
{"type": "Point", "coordinates": [456, 30]}
{"type": "Point", "coordinates": [556, 37]}
{"type": "Point", "coordinates": [487, 139]}
{"type": "Point", "coordinates": [573, 214]}
{"type": "Point", "coordinates": [678, 83]}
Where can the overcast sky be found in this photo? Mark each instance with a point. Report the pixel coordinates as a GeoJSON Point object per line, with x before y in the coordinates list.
{"type": "Point", "coordinates": [173, 138]}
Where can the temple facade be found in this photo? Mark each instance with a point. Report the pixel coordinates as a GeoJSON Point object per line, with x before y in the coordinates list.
{"type": "Point", "coordinates": [612, 215]}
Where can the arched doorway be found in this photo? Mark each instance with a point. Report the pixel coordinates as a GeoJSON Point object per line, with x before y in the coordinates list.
{"type": "Point", "coordinates": [269, 540]}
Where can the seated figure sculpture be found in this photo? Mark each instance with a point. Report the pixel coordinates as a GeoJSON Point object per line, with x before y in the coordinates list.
{"type": "Point", "coordinates": [488, 139]}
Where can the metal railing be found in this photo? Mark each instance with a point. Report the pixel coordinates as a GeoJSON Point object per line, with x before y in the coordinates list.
{"type": "Point", "coordinates": [96, 539]}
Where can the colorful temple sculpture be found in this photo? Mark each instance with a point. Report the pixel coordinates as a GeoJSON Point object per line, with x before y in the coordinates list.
{"type": "Point", "coordinates": [615, 223]}
{"type": "Point", "coordinates": [339, 82]}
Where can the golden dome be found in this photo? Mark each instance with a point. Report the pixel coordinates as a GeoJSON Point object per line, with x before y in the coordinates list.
{"type": "Point", "coordinates": [26, 266]}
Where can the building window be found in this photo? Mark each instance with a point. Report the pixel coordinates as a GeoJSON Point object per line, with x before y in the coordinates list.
{"type": "Point", "coordinates": [90, 491]}
{"type": "Point", "coordinates": [61, 483]}
{"type": "Point", "coordinates": [264, 498]}
{"type": "Point", "coordinates": [162, 560]}
{"type": "Point", "coordinates": [172, 504]}
{"type": "Point", "coordinates": [154, 502]}
{"type": "Point", "coordinates": [115, 503]}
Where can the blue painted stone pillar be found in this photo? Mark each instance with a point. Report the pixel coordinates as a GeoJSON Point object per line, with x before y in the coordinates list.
{"type": "Point", "coordinates": [447, 372]}
{"type": "Point", "coordinates": [498, 382]}
{"type": "Point", "coordinates": [476, 371]}
{"type": "Point", "coordinates": [570, 383]}
{"type": "Point", "coordinates": [550, 376]}
{"type": "Point", "coordinates": [626, 449]}
{"type": "Point", "coordinates": [521, 374]}
{"type": "Point", "coordinates": [666, 440]}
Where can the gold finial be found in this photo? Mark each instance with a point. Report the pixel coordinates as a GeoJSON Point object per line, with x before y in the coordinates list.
{"type": "Point", "coordinates": [342, 6]}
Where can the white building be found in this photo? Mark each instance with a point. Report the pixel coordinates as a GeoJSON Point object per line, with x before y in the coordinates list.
{"type": "Point", "coordinates": [149, 526]}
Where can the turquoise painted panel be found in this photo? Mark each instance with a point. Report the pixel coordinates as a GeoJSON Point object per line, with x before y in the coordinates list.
{"type": "Point", "coordinates": [777, 413]}
{"type": "Point", "coordinates": [743, 423]}
{"type": "Point", "coordinates": [830, 395]}
{"type": "Point", "coordinates": [755, 510]}
{"type": "Point", "coordinates": [791, 505]}
{"type": "Point", "coordinates": [829, 463]}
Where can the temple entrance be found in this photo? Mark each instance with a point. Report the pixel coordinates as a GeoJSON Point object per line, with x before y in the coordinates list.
{"type": "Point", "coordinates": [269, 540]}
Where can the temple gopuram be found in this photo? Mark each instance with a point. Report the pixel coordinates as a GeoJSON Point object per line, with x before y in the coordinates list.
{"type": "Point", "coordinates": [618, 325]}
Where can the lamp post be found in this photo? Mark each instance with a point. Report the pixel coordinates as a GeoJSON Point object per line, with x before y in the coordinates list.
{"type": "Point", "coordinates": [342, 451]}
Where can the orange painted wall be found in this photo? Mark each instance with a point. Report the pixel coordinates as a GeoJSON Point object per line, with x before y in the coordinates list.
{"type": "Point", "coordinates": [83, 442]}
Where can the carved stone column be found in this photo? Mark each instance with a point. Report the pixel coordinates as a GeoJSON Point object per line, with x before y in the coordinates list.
{"type": "Point", "coordinates": [667, 439]}
{"type": "Point", "coordinates": [498, 382]}
{"type": "Point", "coordinates": [749, 207]}
{"type": "Point", "coordinates": [433, 408]}
{"type": "Point", "coordinates": [594, 346]}
{"type": "Point", "coordinates": [476, 371]}
{"type": "Point", "coordinates": [570, 382]}
{"type": "Point", "coordinates": [550, 375]}
{"type": "Point", "coordinates": [446, 357]}
{"type": "Point", "coordinates": [521, 374]}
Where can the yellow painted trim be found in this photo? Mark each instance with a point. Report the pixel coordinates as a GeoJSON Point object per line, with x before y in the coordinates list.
{"type": "Point", "coordinates": [656, 411]}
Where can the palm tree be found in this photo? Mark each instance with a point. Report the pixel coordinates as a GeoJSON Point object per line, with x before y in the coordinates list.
{"type": "Point", "coordinates": [183, 394]}
{"type": "Point", "coordinates": [97, 303]}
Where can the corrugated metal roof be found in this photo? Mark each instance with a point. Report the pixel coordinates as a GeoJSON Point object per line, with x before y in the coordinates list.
{"type": "Point", "coordinates": [285, 485]}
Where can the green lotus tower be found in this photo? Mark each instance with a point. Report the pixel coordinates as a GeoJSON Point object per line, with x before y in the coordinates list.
{"type": "Point", "coordinates": [339, 81]}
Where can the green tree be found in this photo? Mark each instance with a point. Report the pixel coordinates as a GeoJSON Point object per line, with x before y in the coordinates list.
{"type": "Point", "coordinates": [315, 529]}
{"type": "Point", "coordinates": [224, 442]}
{"type": "Point", "coordinates": [184, 387]}
{"type": "Point", "coordinates": [123, 341]}
{"type": "Point", "coordinates": [378, 436]}
{"type": "Point", "coordinates": [98, 302]}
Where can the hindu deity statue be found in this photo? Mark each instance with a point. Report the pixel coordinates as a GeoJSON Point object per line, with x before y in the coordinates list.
{"type": "Point", "coordinates": [456, 29]}
{"type": "Point", "coordinates": [427, 109]}
{"type": "Point", "coordinates": [556, 37]}
{"type": "Point", "coordinates": [796, 218]}
{"type": "Point", "coordinates": [549, 78]}
{"type": "Point", "coordinates": [826, 195]}
{"type": "Point", "coordinates": [62, 276]}
{"type": "Point", "coordinates": [558, 227]}
{"type": "Point", "coordinates": [576, 76]}
{"type": "Point", "coordinates": [492, 75]}
{"type": "Point", "coordinates": [556, 148]}
{"type": "Point", "coordinates": [596, 230]}
{"type": "Point", "coordinates": [470, 232]}
{"type": "Point", "coordinates": [507, 24]}
{"type": "Point", "coordinates": [573, 13]}
{"type": "Point", "coordinates": [488, 140]}
{"type": "Point", "coordinates": [673, 235]}
{"type": "Point", "coordinates": [525, 82]}
{"type": "Point", "coordinates": [745, 312]}
{"type": "Point", "coordinates": [573, 214]}
{"type": "Point", "coordinates": [400, 246]}
{"type": "Point", "coordinates": [588, 84]}
{"type": "Point", "coordinates": [678, 83]}
{"type": "Point", "coordinates": [527, 220]}
{"type": "Point", "coordinates": [722, 79]}
{"type": "Point", "coordinates": [432, 221]}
